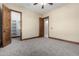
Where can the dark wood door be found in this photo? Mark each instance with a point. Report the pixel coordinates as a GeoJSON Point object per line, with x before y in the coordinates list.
{"type": "Point", "coordinates": [6, 26]}
{"type": "Point", "coordinates": [0, 26]}
{"type": "Point", "coordinates": [41, 27]}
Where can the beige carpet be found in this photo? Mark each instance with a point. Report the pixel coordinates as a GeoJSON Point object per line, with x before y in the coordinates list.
{"type": "Point", "coordinates": [40, 47]}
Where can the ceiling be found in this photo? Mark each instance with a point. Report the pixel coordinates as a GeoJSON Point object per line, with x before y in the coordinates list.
{"type": "Point", "coordinates": [37, 8]}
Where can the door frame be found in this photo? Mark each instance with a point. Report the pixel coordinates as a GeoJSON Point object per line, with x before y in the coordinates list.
{"type": "Point", "coordinates": [20, 22]}
{"type": "Point", "coordinates": [48, 24]}
{"type": "Point", "coordinates": [43, 26]}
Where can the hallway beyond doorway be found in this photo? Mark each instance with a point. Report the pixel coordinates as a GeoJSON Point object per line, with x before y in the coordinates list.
{"type": "Point", "coordinates": [46, 27]}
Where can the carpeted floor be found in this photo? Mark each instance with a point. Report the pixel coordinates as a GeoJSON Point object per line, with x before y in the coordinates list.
{"type": "Point", "coordinates": [40, 47]}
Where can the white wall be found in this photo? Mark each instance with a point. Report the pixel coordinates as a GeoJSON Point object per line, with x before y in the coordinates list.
{"type": "Point", "coordinates": [64, 22]}
{"type": "Point", "coordinates": [30, 21]}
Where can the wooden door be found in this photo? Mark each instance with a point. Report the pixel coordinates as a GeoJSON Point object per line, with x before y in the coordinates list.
{"type": "Point", "coordinates": [6, 26]}
{"type": "Point", "coordinates": [41, 27]}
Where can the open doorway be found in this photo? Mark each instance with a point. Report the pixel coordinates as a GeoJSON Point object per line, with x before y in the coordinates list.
{"type": "Point", "coordinates": [46, 25]}
{"type": "Point", "coordinates": [6, 25]}
{"type": "Point", "coordinates": [16, 24]}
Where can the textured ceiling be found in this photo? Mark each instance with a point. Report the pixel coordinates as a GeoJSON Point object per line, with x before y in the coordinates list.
{"type": "Point", "coordinates": [37, 8]}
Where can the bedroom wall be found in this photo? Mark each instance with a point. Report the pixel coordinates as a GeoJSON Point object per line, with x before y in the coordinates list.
{"type": "Point", "coordinates": [30, 21]}
{"type": "Point", "coordinates": [64, 22]}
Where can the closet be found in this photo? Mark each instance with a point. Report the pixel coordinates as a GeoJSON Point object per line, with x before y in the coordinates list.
{"type": "Point", "coordinates": [10, 25]}
{"type": "Point", "coordinates": [15, 24]}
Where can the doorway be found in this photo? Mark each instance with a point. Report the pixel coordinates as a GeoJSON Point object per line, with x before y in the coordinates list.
{"type": "Point", "coordinates": [16, 24]}
{"type": "Point", "coordinates": [8, 17]}
{"type": "Point", "coordinates": [46, 27]}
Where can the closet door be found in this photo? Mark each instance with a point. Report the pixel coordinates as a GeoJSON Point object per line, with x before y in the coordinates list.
{"type": "Point", "coordinates": [6, 26]}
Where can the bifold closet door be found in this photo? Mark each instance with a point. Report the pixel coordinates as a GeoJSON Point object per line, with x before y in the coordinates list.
{"type": "Point", "coordinates": [6, 26]}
